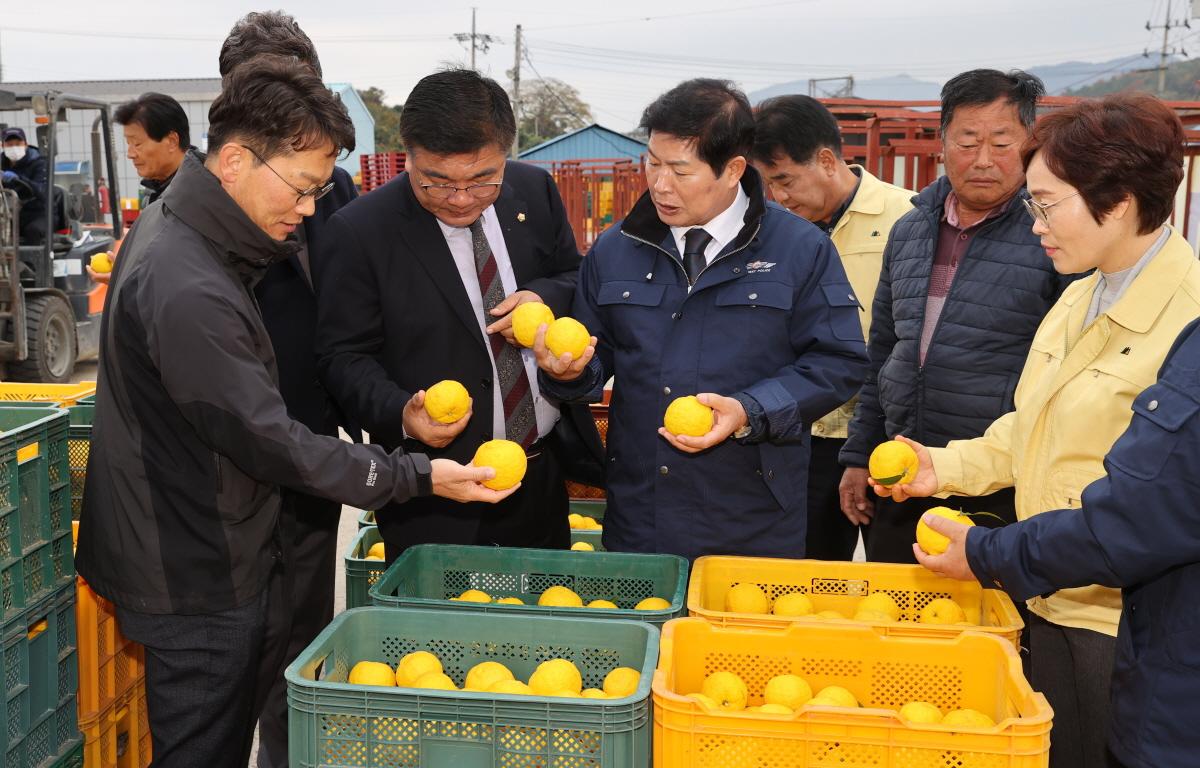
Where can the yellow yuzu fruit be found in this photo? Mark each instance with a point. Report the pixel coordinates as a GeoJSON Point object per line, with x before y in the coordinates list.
{"type": "Point", "coordinates": [514, 687]}
{"type": "Point", "coordinates": [652, 604]}
{"type": "Point", "coordinates": [834, 696]}
{"type": "Point", "coordinates": [560, 597]}
{"type": "Point", "coordinates": [582, 546]}
{"type": "Point", "coordinates": [435, 680]}
{"type": "Point", "coordinates": [474, 596]}
{"type": "Point", "coordinates": [790, 691]}
{"type": "Point", "coordinates": [555, 675]}
{"type": "Point", "coordinates": [968, 718]}
{"type": "Point", "coordinates": [688, 416]}
{"type": "Point", "coordinates": [726, 689]}
{"type": "Point", "coordinates": [608, 604]}
{"type": "Point", "coordinates": [507, 458]}
{"type": "Point", "coordinates": [371, 673]}
{"type": "Point", "coordinates": [792, 604]}
{"type": "Point", "coordinates": [447, 401]}
{"type": "Point", "coordinates": [485, 674]}
{"type": "Point", "coordinates": [376, 550]}
{"type": "Point", "coordinates": [942, 610]}
{"type": "Point", "coordinates": [415, 665]}
{"type": "Point", "coordinates": [622, 681]}
{"type": "Point", "coordinates": [920, 712]}
{"type": "Point", "coordinates": [746, 598]}
{"type": "Point", "coordinates": [527, 318]}
{"type": "Point", "coordinates": [567, 335]}
{"type": "Point", "coordinates": [893, 463]}
{"type": "Point", "coordinates": [932, 542]}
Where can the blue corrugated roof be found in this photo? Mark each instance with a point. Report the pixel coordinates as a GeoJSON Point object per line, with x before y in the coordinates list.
{"type": "Point", "coordinates": [591, 141]}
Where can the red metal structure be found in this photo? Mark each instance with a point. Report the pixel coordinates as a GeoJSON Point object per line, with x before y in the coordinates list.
{"type": "Point", "coordinates": [380, 168]}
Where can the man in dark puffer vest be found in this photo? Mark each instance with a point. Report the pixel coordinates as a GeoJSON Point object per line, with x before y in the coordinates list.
{"type": "Point", "coordinates": [965, 283]}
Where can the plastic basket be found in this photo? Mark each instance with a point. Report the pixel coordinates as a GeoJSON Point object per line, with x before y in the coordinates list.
{"type": "Point", "coordinates": [361, 573]}
{"type": "Point", "coordinates": [40, 678]}
{"type": "Point", "coordinates": [839, 586]}
{"type": "Point", "coordinates": [57, 394]}
{"type": "Point", "coordinates": [110, 665]}
{"type": "Point", "coordinates": [120, 736]}
{"type": "Point", "coordinates": [35, 545]}
{"type": "Point", "coordinates": [366, 519]}
{"type": "Point", "coordinates": [79, 446]}
{"type": "Point", "coordinates": [427, 575]}
{"type": "Point", "coordinates": [595, 510]}
{"type": "Point", "coordinates": [971, 670]}
{"type": "Point", "coordinates": [72, 756]}
{"type": "Point", "coordinates": [331, 723]}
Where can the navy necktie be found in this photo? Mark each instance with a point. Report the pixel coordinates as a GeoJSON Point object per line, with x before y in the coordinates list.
{"type": "Point", "coordinates": [694, 242]}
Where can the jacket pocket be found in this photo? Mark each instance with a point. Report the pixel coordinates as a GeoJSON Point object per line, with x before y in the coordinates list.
{"type": "Point", "coordinates": [1158, 414]}
{"type": "Point", "coordinates": [844, 308]}
{"type": "Point", "coordinates": [756, 294]}
{"type": "Point", "coordinates": [630, 292]}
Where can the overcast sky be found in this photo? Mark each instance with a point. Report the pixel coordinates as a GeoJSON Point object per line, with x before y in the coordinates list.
{"type": "Point", "coordinates": [618, 53]}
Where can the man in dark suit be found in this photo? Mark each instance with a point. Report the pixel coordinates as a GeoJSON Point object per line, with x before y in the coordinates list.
{"type": "Point", "coordinates": [430, 266]}
{"type": "Point", "coordinates": [300, 603]}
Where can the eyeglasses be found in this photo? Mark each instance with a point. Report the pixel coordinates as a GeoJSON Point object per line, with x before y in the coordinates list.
{"type": "Point", "coordinates": [446, 191]}
{"type": "Point", "coordinates": [1041, 211]}
{"type": "Point", "coordinates": [316, 191]}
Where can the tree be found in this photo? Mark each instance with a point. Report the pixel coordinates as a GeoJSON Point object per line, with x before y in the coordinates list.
{"type": "Point", "coordinates": [387, 120]}
{"type": "Point", "coordinates": [549, 108]}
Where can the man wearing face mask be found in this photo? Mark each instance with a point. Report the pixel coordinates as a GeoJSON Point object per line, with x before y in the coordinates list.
{"type": "Point", "coordinates": [24, 171]}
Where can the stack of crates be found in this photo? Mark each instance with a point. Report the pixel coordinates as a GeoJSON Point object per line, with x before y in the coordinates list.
{"type": "Point", "coordinates": [361, 572]}
{"type": "Point", "coordinates": [883, 663]}
{"type": "Point", "coordinates": [380, 168]}
{"type": "Point", "coordinates": [37, 594]}
{"type": "Point", "coordinates": [112, 686]}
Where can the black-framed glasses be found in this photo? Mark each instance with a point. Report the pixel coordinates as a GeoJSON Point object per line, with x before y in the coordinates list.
{"type": "Point", "coordinates": [1041, 211]}
{"type": "Point", "coordinates": [446, 191]}
{"type": "Point", "coordinates": [316, 191]}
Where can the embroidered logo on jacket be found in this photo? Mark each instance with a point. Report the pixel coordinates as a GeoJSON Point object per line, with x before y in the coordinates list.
{"type": "Point", "coordinates": [759, 266]}
{"type": "Point", "coordinates": [372, 475]}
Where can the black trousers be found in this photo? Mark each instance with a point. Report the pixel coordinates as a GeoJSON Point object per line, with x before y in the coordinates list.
{"type": "Point", "coordinates": [299, 606]}
{"type": "Point", "coordinates": [1073, 668]}
{"type": "Point", "coordinates": [831, 536]}
{"type": "Point", "coordinates": [535, 516]}
{"type": "Point", "coordinates": [199, 704]}
{"type": "Point", "coordinates": [893, 529]}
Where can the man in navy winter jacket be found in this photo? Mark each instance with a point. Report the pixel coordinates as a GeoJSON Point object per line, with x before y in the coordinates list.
{"type": "Point", "coordinates": [705, 289]}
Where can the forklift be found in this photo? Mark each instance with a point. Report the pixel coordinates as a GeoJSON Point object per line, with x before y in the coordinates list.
{"type": "Point", "coordinates": [49, 307]}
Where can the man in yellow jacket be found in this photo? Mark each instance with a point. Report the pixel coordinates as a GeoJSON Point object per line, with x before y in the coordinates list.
{"type": "Point", "coordinates": [798, 151]}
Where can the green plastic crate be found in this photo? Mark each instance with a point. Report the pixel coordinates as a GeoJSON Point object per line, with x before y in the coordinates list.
{"type": "Point", "coordinates": [427, 575]}
{"type": "Point", "coordinates": [88, 400]}
{"type": "Point", "coordinates": [366, 519]}
{"type": "Point", "coordinates": [79, 447]}
{"type": "Point", "coordinates": [34, 518]}
{"type": "Point", "coordinates": [72, 756]}
{"type": "Point", "coordinates": [593, 509]}
{"type": "Point", "coordinates": [41, 677]}
{"type": "Point", "coordinates": [361, 574]}
{"type": "Point", "coordinates": [332, 724]}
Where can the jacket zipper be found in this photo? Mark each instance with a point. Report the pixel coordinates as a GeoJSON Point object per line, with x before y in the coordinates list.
{"type": "Point", "coordinates": [739, 249]}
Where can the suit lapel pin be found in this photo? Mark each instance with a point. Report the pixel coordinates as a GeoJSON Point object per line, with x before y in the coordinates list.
{"type": "Point", "coordinates": [521, 217]}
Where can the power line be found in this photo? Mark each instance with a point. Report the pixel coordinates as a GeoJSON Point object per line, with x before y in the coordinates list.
{"type": "Point", "coordinates": [723, 10]}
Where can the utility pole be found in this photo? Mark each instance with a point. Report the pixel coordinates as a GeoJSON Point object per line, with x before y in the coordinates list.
{"type": "Point", "coordinates": [516, 78]}
{"type": "Point", "coordinates": [1166, 49]}
{"type": "Point", "coordinates": [479, 42]}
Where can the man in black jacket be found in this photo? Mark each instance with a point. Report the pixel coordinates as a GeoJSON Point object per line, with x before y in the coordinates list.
{"type": "Point", "coordinates": [25, 171]}
{"type": "Point", "coordinates": [429, 268]}
{"type": "Point", "coordinates": [965, 284]}
{"type": "Point", "coordinates": [191, 441]}
{"type": "Point", "coordinates": [301, 600]}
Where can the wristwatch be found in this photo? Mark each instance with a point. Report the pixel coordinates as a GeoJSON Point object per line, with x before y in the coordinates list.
{"type": "Point", "coordinates": [742, 433]}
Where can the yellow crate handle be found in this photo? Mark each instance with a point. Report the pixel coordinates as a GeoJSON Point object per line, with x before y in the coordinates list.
{"type": "Point", "coordinates": [37, 629]}
{"type": "Point", "coordinates": [28, 453]}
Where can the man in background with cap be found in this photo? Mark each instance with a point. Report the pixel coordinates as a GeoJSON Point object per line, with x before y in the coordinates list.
{"type": "Point", "coordinates": [24, 171]}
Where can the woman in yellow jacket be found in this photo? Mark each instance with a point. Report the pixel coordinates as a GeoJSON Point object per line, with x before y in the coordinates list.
{"type": "Point", "coordinates": [1102, 176]}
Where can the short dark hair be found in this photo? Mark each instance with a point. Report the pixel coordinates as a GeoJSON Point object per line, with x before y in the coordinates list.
{"type": "Point", "coordinates": [158, 114]}
{"type": "Point", "coordinates": [1124, 144]}
{"type": "Point", "coordinates": [274, 106]}
{"type": "Point", "coordinates": [713, 113]}
{"type": "Point", "coordinates": [456, 111]}
{"type": "Point", "coordinates": [272, 33]}
{"type": "Point", "coordinates": [983, 86]}
{"type": "Point", "coordinates": [794, 126]}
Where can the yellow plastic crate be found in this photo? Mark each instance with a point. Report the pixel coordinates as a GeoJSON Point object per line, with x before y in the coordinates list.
{"type": "Point", "coordinates": [971, 670]}
{"type": "Point", "coordinates": [839, 586]}
{"type": "Point", "coordinates": [61, 394]}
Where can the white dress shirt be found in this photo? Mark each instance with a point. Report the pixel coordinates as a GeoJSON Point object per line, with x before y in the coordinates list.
{"type": "Point", "coordinates": [724, 227]}
{"type": "Point", "coordinates": [461, 248]}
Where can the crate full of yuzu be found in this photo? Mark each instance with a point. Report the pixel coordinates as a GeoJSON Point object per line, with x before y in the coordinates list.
{"type": "Point", "coordinates": [536, 582]}
{"type": "Point", "coordinates": [842, 695]}
{"type": "Point", "coordinates": [902, 600]}
{"type": "Point", "coordinates": [409, 688]}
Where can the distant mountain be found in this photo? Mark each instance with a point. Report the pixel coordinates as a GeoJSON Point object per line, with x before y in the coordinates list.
{"type": "Point", "coordinates": [1057, 77]}
{"type": "Point", "coordinates": [1181, 82]}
